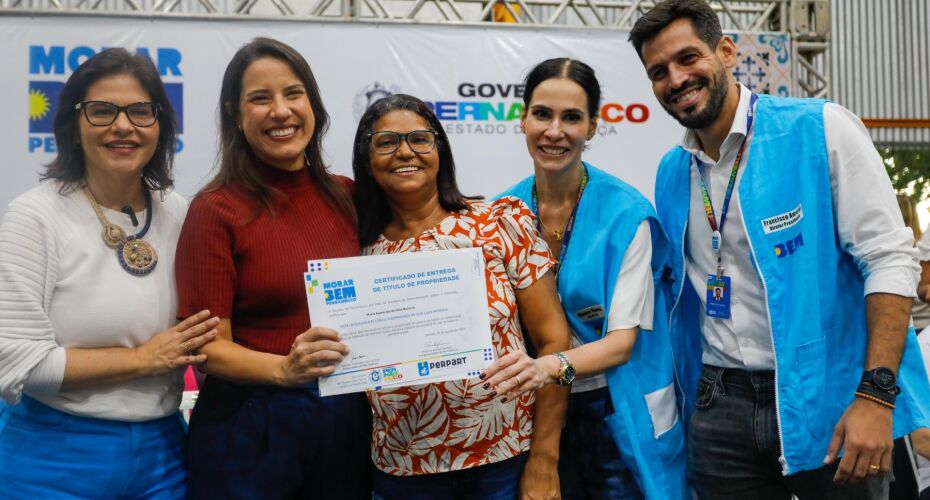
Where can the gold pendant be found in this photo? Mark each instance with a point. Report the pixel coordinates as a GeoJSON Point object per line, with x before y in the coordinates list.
{"type": "Point", "coordinates": [137, 257]}
{"type": "Point", "coordinates": [557, 235]}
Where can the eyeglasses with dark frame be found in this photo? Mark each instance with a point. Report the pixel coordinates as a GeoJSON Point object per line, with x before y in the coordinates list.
{"type": "Point", "coordinates": [387, 142]}
{"type": "Point", "coordinates": [103, 113]}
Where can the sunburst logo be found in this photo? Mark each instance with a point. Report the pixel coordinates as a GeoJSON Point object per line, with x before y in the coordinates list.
{"type": "Point", "coordinates": [39, 105]}
{"type": "Point", "coordinates": [43, 104]}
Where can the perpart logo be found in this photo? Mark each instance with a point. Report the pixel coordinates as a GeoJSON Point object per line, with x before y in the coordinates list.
{"type": "Point", "coordinates": [51, 65]}
{"type": "Point", "coordinates": [339, 292]}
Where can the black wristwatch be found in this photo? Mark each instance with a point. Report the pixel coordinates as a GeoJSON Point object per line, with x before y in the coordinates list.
{"type": "Point", "coordinates": [882, 379]}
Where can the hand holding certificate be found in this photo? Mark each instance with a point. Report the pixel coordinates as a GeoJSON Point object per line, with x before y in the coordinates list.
{"type": "Point", "coordinates": [408, 318]}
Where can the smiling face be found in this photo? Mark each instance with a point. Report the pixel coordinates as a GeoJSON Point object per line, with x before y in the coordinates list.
{"type": "Point", "coordinates": [690, 79]}
{"type": "Point", "coordinates": [275, 113]}
{"type": "Point", "coordinates": [404, 172]}
{"type": "Point", "coordinates": [557, 124]}
{"type": "Point", "coordinates": [120, 148]}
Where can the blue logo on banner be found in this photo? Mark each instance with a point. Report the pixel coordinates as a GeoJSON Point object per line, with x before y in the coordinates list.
{"type": "Point", "coordinates": [423, 367]}
{"type": "Point", "coordinates": [375, 376]}
{"type": "Point", "coordinates": [43, 104]}
{"type": "Point", "coordinates": [48, 62]}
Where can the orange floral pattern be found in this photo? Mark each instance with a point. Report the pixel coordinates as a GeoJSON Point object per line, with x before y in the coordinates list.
{"type": "Point", "coordinates": [442, 427]}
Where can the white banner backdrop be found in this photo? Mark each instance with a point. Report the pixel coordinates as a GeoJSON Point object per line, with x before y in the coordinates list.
{"type": "Point", "coordinates": [471, 75]}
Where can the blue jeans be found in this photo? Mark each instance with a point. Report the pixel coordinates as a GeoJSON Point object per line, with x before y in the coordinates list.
{"type": "Point", "coordinates": [733, 445]}
{"type": "Point", "coordinates": [497, 481]}
{"type": "Point", "coordinates": [590, 466]}
{"type": "Point", "coordinates": [248, 442]}
{"type": "Point", "coordinates": [46, 453]}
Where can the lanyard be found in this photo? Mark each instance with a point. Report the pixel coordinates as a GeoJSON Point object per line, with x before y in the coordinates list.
{"type": "Point", "coordinates": [567, 235]}
{"type": "Point", "coordinates": [716, 238]}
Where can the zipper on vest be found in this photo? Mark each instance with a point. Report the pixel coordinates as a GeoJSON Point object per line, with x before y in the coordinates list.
{"type": "Point", "coordinates": [768, 314]}
{"type": "Point", "coordinates": [671, 312]}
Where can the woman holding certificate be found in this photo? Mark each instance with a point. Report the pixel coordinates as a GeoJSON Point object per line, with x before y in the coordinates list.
{"type": "Point", "coordinates": [622, 437]}
{"type": "Point", "coordinates": [260, 428]}
{"type": "Point", "coordinates": [457, 439]}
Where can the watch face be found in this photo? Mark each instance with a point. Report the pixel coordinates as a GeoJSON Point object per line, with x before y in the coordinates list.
{"type": "Point", "coordinates": [884, 378]}
{"type": "Point", "coordinates": [570, 374]}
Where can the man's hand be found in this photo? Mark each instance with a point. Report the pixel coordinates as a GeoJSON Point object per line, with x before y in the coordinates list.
{"type": "Point", "coordinates": [540, 479]}
{"type": "Point", "coordinates": [865, 431]}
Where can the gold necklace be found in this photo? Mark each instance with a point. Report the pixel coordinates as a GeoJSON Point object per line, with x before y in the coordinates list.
{"type": "Point", "coordinates": [136, 256]}
{"type": "Point", "coordinates": [555, 234]}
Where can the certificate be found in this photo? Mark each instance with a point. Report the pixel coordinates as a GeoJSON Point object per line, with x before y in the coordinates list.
{"type": "Point", "coordinates": [407, 318]}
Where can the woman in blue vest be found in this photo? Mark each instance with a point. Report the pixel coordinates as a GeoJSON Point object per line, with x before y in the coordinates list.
{"type": "Point", "coordinates": [622, 437]}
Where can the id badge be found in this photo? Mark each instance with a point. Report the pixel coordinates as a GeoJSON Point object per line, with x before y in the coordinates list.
{"type": "Point", "coordinates": [718, 297]}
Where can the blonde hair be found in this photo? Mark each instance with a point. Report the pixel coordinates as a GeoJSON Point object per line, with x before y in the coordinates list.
{"type": "Point", "coordinates": [909, 212]}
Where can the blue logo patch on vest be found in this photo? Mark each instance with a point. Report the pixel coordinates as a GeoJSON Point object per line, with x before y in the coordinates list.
{"type": "Point", "coordinates": [782, 250]}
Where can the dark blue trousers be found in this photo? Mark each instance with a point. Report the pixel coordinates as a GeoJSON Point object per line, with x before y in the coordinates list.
{"type": "Point", "coordinates": [249, 442]}
{"type": "Point", "coordinates": [497, 481]}
{"type": "Point", "coordinates": [590, 465]}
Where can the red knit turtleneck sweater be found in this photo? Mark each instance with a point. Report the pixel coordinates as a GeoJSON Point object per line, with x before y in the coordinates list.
{"type": "Point", "coordinates": [250, 269]}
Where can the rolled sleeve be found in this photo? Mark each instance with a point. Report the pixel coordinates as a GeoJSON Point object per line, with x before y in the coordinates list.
{"type": "Point", "coordinates": [869, 222]}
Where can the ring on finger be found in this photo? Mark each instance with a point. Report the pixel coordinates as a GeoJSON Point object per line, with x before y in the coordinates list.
{"type": "Point", "coordinates": [186, 346]}
{"type": "Point", "coordinates": [874, 468]}
{"type": "Point", "coordinates": [517, 378]}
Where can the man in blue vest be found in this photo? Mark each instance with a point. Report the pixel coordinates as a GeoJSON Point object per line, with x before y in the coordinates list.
{"type": "Point", "coordinates": [797, 378]}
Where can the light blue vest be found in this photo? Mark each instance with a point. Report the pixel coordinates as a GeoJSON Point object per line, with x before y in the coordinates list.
{"type": "Point", "coordinates": [643, 390]}
{"type": "Point", "coordinates": [814, 290]}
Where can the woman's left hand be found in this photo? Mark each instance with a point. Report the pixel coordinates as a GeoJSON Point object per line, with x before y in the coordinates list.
{"type": "Point", "coordinates": [516, 373]}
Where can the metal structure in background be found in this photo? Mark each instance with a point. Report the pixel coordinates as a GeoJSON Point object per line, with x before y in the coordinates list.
{"type": "Point", "coordinates": [871, 56]}
{"type": "Point", "coordinates": [881, 68]}
{"type": "Point", "coordinates": [806, 21]}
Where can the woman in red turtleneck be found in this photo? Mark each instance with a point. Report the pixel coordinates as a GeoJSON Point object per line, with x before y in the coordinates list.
{"type": "Point", "coordinates": [260, 428]}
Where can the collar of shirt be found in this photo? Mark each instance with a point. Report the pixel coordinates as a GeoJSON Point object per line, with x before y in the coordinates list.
{"type": "Point", "coordinates": [691, 144]}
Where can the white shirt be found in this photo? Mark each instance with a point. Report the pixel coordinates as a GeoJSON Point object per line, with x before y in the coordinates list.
{"type": "Point", "coordinates": [632, 303]}
{"type": "Point", "coordinates": [923, 246]}
{"type": "Point", "coordinates": [869, 226]}
{"type": "Point", "coordinates": [62, 287]}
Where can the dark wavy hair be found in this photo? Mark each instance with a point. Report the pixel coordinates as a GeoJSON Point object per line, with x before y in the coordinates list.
{"type": "Point", "coordinates": [237, 161]}
{"type": "Point", "coordinates": [563, 67]}
{"type": "Point", "coordinates": [68, 166]}
{"type": "Point", "coordinates": [371, 205]}
{"type": "Point", "coordinates": [703, 19]}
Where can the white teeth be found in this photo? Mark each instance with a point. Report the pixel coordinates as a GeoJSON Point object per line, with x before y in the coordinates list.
{"type": "Point", "coordinates": [686, 95]}
{"type": "Point", "coordinates": [282, 132]}
{"type": "Point", "coordinates": [553, 150]}
{"type": "Point", "coordinates": [403, 170]}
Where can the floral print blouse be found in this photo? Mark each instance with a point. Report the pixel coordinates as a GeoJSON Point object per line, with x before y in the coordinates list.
{"type": "Point", "coordinates": [455, 425]}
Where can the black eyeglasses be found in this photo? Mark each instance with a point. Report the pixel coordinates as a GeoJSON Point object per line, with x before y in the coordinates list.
{"type": "Point", "coordinates": [103, 113]}
{"type": "Point", "coordinates": [420, 141]}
